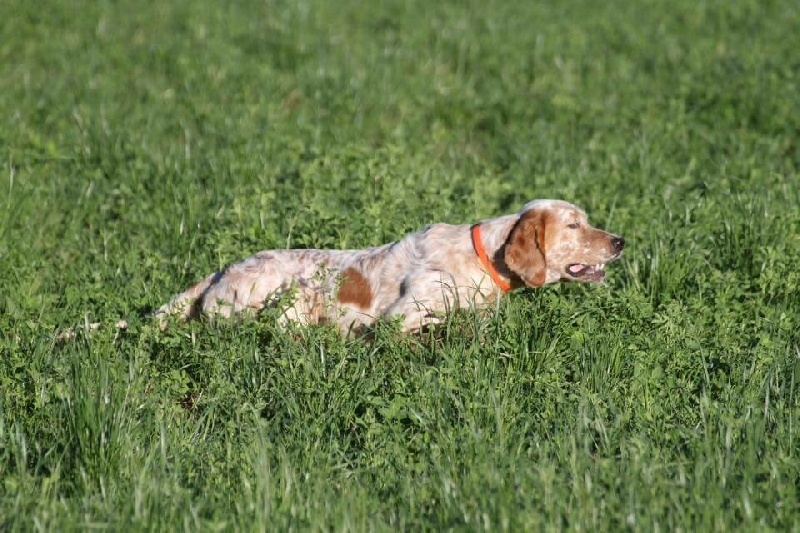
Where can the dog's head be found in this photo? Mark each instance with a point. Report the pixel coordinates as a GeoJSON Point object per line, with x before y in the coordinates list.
{"type": "Point", "coordinates": [552, 241]}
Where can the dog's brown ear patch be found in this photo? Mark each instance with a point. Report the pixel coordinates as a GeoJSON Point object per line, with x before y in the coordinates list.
{"type": "Point", "coordinates": [525, 248]}
{"type": "Point", "coordinates": [355, 289]}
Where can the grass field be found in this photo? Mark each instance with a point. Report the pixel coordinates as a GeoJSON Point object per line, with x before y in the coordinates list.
{"type": "Point", "coordinates": [146, 144]}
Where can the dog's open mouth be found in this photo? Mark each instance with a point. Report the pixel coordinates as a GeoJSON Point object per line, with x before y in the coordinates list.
{"type": "Point", "coordinates": [587, 272]}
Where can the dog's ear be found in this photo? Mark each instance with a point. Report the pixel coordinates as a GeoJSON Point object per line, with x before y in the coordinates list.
{"type": "Point", "coordinates": [524, 249]}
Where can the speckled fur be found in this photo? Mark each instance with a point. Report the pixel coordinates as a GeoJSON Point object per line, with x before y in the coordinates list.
{"type": "Point", "coordinates": [417, 279]}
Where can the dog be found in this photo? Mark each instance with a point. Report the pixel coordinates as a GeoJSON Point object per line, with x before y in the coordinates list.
{"type": "Point", "coordinates": [416, 280]}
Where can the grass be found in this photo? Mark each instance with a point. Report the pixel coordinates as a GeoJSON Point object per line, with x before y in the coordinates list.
{"type": "Point", "coordinates": [146, 144]}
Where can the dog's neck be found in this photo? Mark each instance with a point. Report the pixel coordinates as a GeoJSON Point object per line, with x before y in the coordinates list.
{"type": "Point", "coordinates": [495, 233]}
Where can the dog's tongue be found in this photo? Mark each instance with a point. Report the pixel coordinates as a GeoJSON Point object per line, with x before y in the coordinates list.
{"type": "Point", "coordinates": [577, 270]}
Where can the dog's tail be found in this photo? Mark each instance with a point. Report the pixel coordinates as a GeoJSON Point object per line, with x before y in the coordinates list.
{"type": "Point", "coordinates": [70, 333]}
{"type": "Point", "coordinates": [188, 303]}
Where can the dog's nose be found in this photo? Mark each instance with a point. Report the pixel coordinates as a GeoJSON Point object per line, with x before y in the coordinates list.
{"type": "Point", "coordinates": [618, 243]}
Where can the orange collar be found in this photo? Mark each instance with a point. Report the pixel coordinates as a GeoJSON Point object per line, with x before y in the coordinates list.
{"type": "Point", "coordinates": [477, 243]}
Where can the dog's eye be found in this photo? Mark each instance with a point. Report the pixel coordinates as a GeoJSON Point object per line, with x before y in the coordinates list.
{"type": "Point", "coordinates": [574, 225]}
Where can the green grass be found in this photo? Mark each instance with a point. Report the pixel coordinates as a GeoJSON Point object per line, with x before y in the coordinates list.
{"type": "Point", "coordinates": [146, 144]}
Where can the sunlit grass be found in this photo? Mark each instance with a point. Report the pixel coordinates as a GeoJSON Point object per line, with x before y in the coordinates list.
{"type": "Point", "coordinates": [145, 145]}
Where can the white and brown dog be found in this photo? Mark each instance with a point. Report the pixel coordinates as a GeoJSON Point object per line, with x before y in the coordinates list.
{"type": "Point", "coordinates": [417, 279]}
